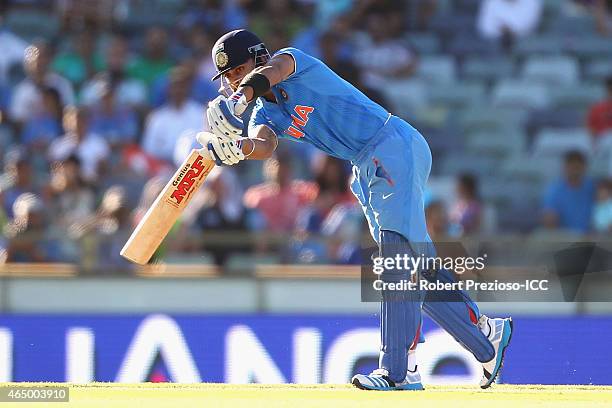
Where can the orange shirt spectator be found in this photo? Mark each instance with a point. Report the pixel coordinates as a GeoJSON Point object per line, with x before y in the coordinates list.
{"type": "Point", "coordinates": [280, 200]}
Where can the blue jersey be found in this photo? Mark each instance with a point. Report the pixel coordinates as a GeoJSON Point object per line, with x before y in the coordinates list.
{"type": "Point", "coordinates": [317, 106]}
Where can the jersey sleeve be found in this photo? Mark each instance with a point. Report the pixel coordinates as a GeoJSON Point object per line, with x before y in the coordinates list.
{"type": "Point", "coordinates": [303, 61]}
{"type": "Point", "coordinates": [259, 117]}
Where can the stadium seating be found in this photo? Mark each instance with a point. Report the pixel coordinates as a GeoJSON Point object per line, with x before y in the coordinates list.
{"type": "Point", "coordinates": [505, 116]}
{"type": "Point", "coordinates": [601, 159]}
{"type": "Point", "coordinates": [489, 118]}
{"type": "Point", "coordinates": [449, 25]}
{"type": "Point", "coordinates": [437, 69]}
{"type": "Point", "coordinates": [498, 144]}
{"type": "Point", "coordinates": [598, 69]}
{"type": "Point", "coordinates": [522, 168]}
{"type": "Point", "coordinates": [544, 44]}
{"type": "Point", "coordinates": [474, 163]}
{"type": "Point", "coordinates": [487, 69]}
{"type": "Point", "coordinates": [564, 25]}
{"type": "Point", "coordinates": [423, 43]}
{"type": "Point", "coordinates": [517, 93]}
{"type": "Point", "coordinates": [588, 46]}
{"type": "Point", "coordinates": [552, 70]}
{"type": "Point", "coordinates": [458, 95]}
{"type": "Point", "coordinates": [576, 96]}
{"type": "Point", "coordinates": [555, 142]}
{"type": "Point", "coordinates": [553, 118]}
{"type": "Point", "coordinates": [32, 24]}
{"type": "Point", "coordinates": [406, 96]}
{"type": "Point", "coordinates": [471, 44]}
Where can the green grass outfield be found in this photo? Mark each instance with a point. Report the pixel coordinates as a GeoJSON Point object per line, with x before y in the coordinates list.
{"type": "Point", "coordinates": [111, 395]}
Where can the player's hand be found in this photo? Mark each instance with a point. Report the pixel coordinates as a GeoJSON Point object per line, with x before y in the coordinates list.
{"type": "Point", "coordinates": [222, 150]}
{"type": "Point", "coordinates": [237, 102]}
{"type": "Point", "coordinates": [224, 115]}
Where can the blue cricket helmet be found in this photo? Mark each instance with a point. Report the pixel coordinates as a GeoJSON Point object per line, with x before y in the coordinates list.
{"type": "Point", "coordinates": [235, 48]}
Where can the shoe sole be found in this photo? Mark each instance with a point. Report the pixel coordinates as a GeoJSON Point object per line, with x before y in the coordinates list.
{"type": "Point", "coordinates": [503, 352]}
{"type": "Point", "coordinates": [406, 387]}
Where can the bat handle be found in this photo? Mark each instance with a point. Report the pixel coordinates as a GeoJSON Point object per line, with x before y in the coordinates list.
{"type": "Point", "coordinates": [218, 162]}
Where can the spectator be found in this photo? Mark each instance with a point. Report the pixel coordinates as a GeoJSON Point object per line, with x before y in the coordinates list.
{"type": "Point", "coordinates": [3, 217]}
{"type": "Point", "coordinates": [5, 94]}
{"type": "Point", "coordinates": [44, 126]}
{"type": "Point", "coordinates": [327, 11]}
{"type": "Point", "coordinates": [150, 192]}
{"type": "Point", "coordinates": [129, 92]}
{"type": "Point", "coordinates": [80, 62]}
{"type": "Point", "coordinates": [332, 181]}
{"type": "Point", "coordinates": [222, 210]}
{"type": "Point", "coordinates": [280, 199]}
{"type": "Point", "coordinates": [93, 15]}
{"type": "Point", "coordinates": [110, 227]}
{"type": "Point", "coordinates": [72, 199]}
{"type": "Point", "coordinates": [603, 16]}
{"type": "Point", "coordinates": [30, 238]}
{"type": "Point", "coordinates": [600, 115]}
{"type": "Point", "coordinates": [466, 212]}
{"type": "Point", "coordinates": [336, 55]}
{"type": "Point", "coordinates": [310, 40]}
{"type": "Point", "coordinates": [343, 229]}
{"type": "Point", "coordinates": [420, 13]}
{"type": "Point", "coordinates": [437, 221]}
{"type": "Point", "coordinates": [508, 19]}
{"type": "Point", "coordinates": [602, 213]}
{"type": "Point", "coordinates": [155, 61]}
{"type": "Point", "coordinates": [27, 97]}
{"type": "Point", "coordinates": [276, 15]}
{"type": "Point", "coordinates": [18, 179]}
{"type": "Point", "coordinates": [91, 149]}
{"type": "Point", "coordinates": [12, 47]}
{"type": "Point", "coordinates": [202, 88]}
{"type": "Point", "coordinates": [216, 15]}
{"type": "Point", "coordinates": [380, 55]}
{"type": "Point", "coordinates": [330, 215]}
{"type": "Point", "coordinates": [115, 122]}
{"type": "Point", "coordinates": [181, 114]}
{"type": "Point", "coordinates": [277, 38]}
{"type": "Point", "coordinates": [568, 203]}
{"type": "Point", "coordinates": [201, 46]}
{"type": "Point", "coordinates": [335, 52]}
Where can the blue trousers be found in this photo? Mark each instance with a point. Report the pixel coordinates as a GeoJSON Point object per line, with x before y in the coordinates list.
{"type": "Point", "coordinates": [390, 176]}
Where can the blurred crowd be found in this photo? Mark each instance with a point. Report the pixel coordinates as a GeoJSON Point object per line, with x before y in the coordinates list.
{"type": "Point", "coordinates": [100, 100]}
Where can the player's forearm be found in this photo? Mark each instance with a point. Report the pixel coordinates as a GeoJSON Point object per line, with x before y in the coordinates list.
{"type": "Point", "coordinates": [261, 146]}
{"type": "Point", "coordinates": [276, 70]}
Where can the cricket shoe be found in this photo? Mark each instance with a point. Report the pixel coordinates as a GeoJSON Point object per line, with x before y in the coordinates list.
{"type": "Point", "coordinates": [499, 333]}
{"type": "Point", "coordinates": [379, 381]}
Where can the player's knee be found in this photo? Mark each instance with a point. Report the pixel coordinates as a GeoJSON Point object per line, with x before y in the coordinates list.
{"type": "Point", "coordinates": [392, 242]}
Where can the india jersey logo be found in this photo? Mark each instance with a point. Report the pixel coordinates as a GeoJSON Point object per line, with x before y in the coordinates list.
{"type": "Point", "coordinates": [299, 122]}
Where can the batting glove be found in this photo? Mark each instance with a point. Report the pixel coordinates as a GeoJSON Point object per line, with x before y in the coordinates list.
{"type": "Point", "coordinates": [224, 115]}
{"type": "Point", "coordinates": [221, 149]}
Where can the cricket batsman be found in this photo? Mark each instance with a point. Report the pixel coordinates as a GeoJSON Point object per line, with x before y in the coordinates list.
{"type": "Point", "coordinates": [298, 97]}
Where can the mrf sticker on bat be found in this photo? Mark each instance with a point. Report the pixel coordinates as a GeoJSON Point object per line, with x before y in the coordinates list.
{"type": "Point", "coordinates": [186, 180]}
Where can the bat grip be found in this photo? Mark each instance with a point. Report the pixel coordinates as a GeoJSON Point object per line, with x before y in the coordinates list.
{"type": "Point", "coordinates": [218, 162]}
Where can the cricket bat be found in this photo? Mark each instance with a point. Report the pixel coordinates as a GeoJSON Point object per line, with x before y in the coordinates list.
{"type": "Point", "coordinates": [165, 210]}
